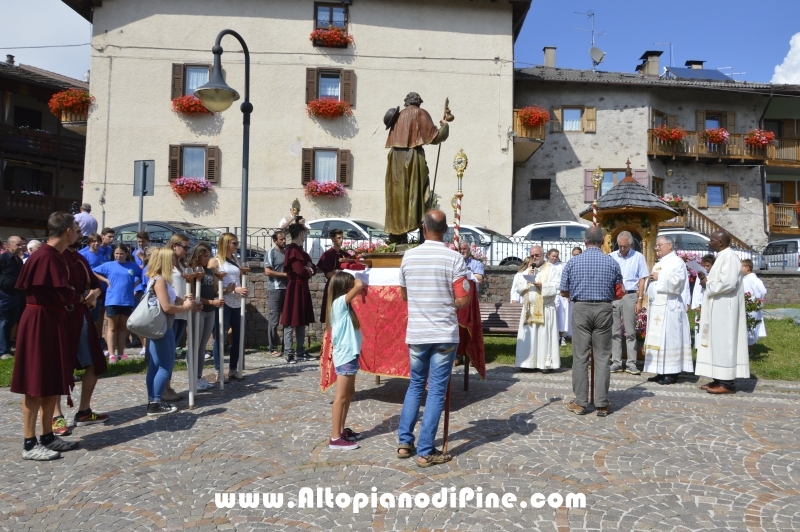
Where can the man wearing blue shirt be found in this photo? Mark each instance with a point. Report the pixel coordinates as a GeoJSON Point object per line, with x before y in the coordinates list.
{"type": "Point", "coordinates": [95, 258]}
{"type": "Point", "coordinates": [474, 265]}
{"type": "Point", "coordinates": [634, 270]}
{"type": "Point", "coordinates": [106, 248]}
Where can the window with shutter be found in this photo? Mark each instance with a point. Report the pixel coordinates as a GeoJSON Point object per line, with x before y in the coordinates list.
{"type": "Point", "coordinates": [672, 120]}
{"type": "Point", "coordinates": [311, 84]}
{"type": "Point", "coordinates": [555, 119]}
{"type": "Point", "coordinates": [700, 120]}
{"type": "Point", "coordinates": [588, 186]}
{"type": "Point", "coordinates": [177, 80]}
{"type": "Point", "coordinates": [733, 196]}
{"type": "Point", "coordinates": [702, 196]}
{"type": "Point", "coordinates": [344, 160]}
{"type": "Point", "coordinates": [590, 120]}
{"type": "Point", "coordinates": [212, 164]}
{"type": "Point", "coordinates": [657, 118]}
{"type": "Point", "coordinates": [657, 186]}
{"type": "Point", "coordinates": [330, 15]}
{"type": "Point", "coordinates": [730, 122]}
{"type": "Point", "coordinates": [307, 166]}
{"type": "Point", "coordinates": [347, 81]}
{"type": "Point", "coordinates": [174, 161]}
{"type": "Point", "coordinates": [642, 177]}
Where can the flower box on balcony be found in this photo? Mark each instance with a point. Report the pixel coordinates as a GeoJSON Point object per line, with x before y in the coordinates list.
{"type": "Point", "coordinates": [72, 102]}
{"type": "Point", "coordinates": [189, 106]}
{"type": "Point", "coordinates": [715, 136]}
{"type": "Point", "coordinates": [330, 189]}
{"type": "Point", "coordinates": [331, 38]}
{"type": "Point", "coordinates": [328, 108]}
{"type": "Point", "coordinates": [533, 116]}
{"type": "Point", "coordinates": [670, 135]}
{"type": "Point", "coordinates": [759, 138]}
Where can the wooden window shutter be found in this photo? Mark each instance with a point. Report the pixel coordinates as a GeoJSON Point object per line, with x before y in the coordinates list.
{"type": "Point", "coordinates": [343, 176]}
{"type": "Point", "coordinates": [555, 120]}
{"type": "Point", "coordinates": [177, 80]}
{"type": "Point", "coordinates": [588, 186]}
{"type": "Point", "coordinates": [788, 127]}
{"type": "Point", "coordinates": [700, 120]}
{"type": "Point", "coordinates": [347, 80]}
{"type": "Point", "coordinates": [590, 120]}
{"type": "Point", "coordinates": [642, 178]}
{"type": "Point", "coordinates": [672, 120]}
{"type": "Point", "coordinates": [733, 196]}
{"type": "Point", "coordinates": [730, 122]}
{"type": "Point", "coordinates": [702, 196]}
{"type": "Point", "coordinates": [307, 174]}
{"type": "Point", "coordinates": [653, 114]}
{"type": "Point", "coordinates": [311, 84]}
{"type": "Point", "coordinates": [212, 164]}
{"type": "Point", "coordinates": [174, 161]}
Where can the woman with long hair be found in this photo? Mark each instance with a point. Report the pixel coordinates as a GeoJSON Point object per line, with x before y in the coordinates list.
{"type": "Point", "coordinates": [225, 262]}
{"type": "Point", "coordinates": [211, 301]}
{"type": "Point", "coordinates": [121, 276]}
{"type": "Point", "coordinates": [162, 350]}
{"type": "Point", "coordinates": [179, 244]}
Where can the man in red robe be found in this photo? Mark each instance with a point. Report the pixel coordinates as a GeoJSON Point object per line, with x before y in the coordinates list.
{"type": "Point", "coordinates": [330, 262]}
{"type": "Point", "coordinates": [44, 361]}
{"type": "Point", "coordinates": [298, 310]}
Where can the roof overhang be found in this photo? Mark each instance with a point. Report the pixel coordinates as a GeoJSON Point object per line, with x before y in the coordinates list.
{"type": "Point", "coordinates": [84, 8]}
{"type": "Point", "coordinates": [654, 215]}
{"type": "Point", "coordinates": [519, 10]}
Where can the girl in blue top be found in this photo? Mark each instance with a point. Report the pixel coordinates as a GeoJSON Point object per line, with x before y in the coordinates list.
{"type": "Point", "coordinates": [121, 277]}
{"type": "Point", "coordinates": [345, 332]}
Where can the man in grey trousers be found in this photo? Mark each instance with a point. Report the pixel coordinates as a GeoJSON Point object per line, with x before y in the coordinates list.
{"type": "Point", "coordinates": [589, 281]}
{"type": "Point", "coordinates": [276, 289]}
{"type": "Point", "coordinates": [634, 270]}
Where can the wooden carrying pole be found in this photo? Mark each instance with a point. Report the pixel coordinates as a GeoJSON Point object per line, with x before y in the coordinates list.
{"type": "Point", "coordinates": [190, 342]}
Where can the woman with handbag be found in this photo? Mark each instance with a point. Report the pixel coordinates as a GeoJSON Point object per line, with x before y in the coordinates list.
{"type": "Point", "coordinates": [233, 291]}
{"type": "Point", "coordinates": [162, 350]}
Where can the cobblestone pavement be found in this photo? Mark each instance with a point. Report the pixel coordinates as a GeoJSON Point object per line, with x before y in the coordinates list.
{"type": "Point", "coordinates": [667, 458]}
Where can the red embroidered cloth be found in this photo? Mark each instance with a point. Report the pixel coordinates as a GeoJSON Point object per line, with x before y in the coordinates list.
{"type": "Point", "coordinates": [383, 315]}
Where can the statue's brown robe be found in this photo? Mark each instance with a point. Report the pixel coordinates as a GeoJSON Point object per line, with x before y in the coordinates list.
{"type": "Point", "coordinates": [408, 192]}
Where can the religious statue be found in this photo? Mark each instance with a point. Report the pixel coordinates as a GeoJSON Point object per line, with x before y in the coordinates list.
{"type": "Point", "coordinates": [408, 192]}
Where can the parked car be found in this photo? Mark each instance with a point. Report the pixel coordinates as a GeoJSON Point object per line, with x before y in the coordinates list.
{"type": "Point", "coordinates": [161, 232]}
{"type": "Point", "coordinates": [500, 250]}
{"type": "Point", "coordinates": [695, 242]}
{"type": "Point", "coordinates": [779, 254]}
{"type": "Point", "coordinates": [563, 235]}
{"type": "Point", "coordinates": [355, 231]}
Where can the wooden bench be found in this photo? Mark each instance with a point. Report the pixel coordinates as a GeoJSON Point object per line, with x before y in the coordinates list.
{"type": "Point", "coordinates": [500, 318]}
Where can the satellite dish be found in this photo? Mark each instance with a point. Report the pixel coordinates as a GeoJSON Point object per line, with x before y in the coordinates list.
{"type": "Point", "coordinates": [597, 55]}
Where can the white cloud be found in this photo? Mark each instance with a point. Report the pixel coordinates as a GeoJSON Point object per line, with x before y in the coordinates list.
{"type": "Point", "coordinates": [789, 70]}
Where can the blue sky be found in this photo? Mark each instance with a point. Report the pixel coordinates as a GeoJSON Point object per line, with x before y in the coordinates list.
{"type": "Point", "coordinates": [751, 36]}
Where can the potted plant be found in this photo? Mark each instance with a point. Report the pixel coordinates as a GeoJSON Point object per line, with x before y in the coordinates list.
{"type": "Point", "coordinates": [71, 105]}
{"type": "Point", "coordinates": [328, 108]}
{"type": "Point", "coordinates": [718, 135]}
{"type": "Point", "coordinates": [330, 189]}
{"type": "Point", "coordinates": [331, 37]}
{"type": "Point", "coordinates": [189, 105]}
{"type": "Point", "coordinates": [185, 186]}
{"type": "Point", "coordinates": [670, 135]}
{"type": "Point", "coordinates": [759, 138]}
{"type": "Point", "coordinates": [533, 116]}
{"type": "Point", "coordinates": [676, 202]}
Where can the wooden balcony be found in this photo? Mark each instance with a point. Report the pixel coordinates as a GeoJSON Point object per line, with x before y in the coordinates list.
{"type": "Point", "coordinates": [786, 153]}
{"type": "Point", "coordinates": [527, 139]}
{"type": "Point", "coordinates": [75, 122]}
{"type": "Point", "coordinates": [782, 219]}
{"type": "Point", "coordinates": [39, 144]}
{"type": "Point", "coordinates": [15, 205]}
{"type": "Point", "coordinates": [693, 147]}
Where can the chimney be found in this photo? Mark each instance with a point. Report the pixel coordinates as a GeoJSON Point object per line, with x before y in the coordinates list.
{"type": "Point", "coordinates": [694, 64]}
{"type": "Point", "coordinates": [10, 59]}
{"type": "Point", "coordinates": [549, 56]}
{"type": "Point", "coordinates": [650, 63]}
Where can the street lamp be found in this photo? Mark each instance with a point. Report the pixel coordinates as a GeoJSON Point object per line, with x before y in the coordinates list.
{"type": "Point", "coordinates": [217, 96]}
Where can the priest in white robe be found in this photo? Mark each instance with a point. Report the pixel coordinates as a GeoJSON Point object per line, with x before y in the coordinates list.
{"type": "Point", "coordinates": [757, 290]}
{"type": "Point", "coordinates": [668, 343]}
{"type": "Point", "coordinates": [562, 303]}
{"type": "Point", "coordinates": [537, 339]}
{"type": "Point", "coordinates": [722, 351]}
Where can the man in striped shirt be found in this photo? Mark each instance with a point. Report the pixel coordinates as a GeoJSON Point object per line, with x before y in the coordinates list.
{"type": "Point", "coordinates": [433, 279]}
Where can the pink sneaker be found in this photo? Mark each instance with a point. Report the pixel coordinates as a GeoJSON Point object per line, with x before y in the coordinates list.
{"type": "Point", "coordinates": [112, 359]}
{"type": "Point", "coordinates": [123, 357]}
{"type": "Point", "coordinates": [342, 444]}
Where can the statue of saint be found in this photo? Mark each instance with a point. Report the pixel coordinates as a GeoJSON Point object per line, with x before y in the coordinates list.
{"type": "Point", "coordinates": [408, 193]}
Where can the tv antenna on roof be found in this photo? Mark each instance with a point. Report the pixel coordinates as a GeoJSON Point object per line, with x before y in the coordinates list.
{"type": "Point", "coordinates": [731, 73]}
{"type": "Point", "coordinates": [595, 53]}
{"type": "Point", "coordinates": [670, 52]}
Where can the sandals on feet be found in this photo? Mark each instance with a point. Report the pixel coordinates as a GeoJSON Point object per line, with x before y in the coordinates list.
{"type": "Point", "coordinates": [436, 457]}
{"type": "Point", "coordinates": [408, 447]}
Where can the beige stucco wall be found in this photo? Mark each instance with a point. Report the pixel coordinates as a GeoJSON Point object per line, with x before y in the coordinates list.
{"type": "Point", "coordinates": [135, 44]}
{"type": "Point", "coordinates": [623, 117]}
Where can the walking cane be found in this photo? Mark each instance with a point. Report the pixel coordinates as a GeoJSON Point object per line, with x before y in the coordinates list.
{"type": "Point", "coordinates": [448, 117]}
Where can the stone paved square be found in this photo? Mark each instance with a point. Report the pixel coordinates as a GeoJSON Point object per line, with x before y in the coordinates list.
{"type": "Point", "coordinates": [667, 458]}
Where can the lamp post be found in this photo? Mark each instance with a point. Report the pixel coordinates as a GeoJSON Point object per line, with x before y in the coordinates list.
{"type": "Point", "coordinates": [597, 180]}
{"type": "Point", "coordinates": [217, 96]}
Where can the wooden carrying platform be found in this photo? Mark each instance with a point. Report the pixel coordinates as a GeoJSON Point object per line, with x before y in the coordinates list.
{"type": "Point", "coordinates": [500, 318]}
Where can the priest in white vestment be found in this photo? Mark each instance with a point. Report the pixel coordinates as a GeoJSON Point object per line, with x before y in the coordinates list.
{"type": "Point", "coordinates": [757, 290]}
{"type": "Point", "coordinates": [562, 303]}
{"type": "Point", "coordinates": [668, 343]}
{"type": "Point", "coordinates": [722, 350]}
{"type": "Point", "coordinates": [537, 339]}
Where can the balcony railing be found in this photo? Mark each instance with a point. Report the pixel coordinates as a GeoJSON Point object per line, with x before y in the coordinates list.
{"type": "Point", "coordinates": [694, 146]}
{"type": "Point", "coordinates": [40, 144]}
{"type": "Point", "coordinates": [525, 132]}
{"type": "Point", "coordinates": [31, 207]}
{"type": "Point", "coordinates": [782, 218]}
{"type": "Point", "coordinates": [787, 150]}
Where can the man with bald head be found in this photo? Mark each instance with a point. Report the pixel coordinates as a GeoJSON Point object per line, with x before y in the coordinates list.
{"type": "Point", "coordinates": [634, 274]}
{"type": "Point", "coordinates": [537, 338]}
{"type": "Point", "coordinates": [10, 297]}
{"type": "Point", "coordinates": [722, 349]}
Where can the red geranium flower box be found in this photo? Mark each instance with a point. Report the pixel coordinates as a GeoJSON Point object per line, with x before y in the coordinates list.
{"type": "Point", "coordinates": [189, 105]}
{"type": "Point", "coordinates": [328, 188]}
{"type": "Point", "coordinates": [534, 116]}
{"type": "Point", "coordinates": [184, 186]}
{"type": "Point", "coordinates": [669, 134]}
{"type": "Point", "coordinates": [70, 101]}
{"type": "Point", "coordinates": [331, 38]}
{"type": "Point", "coordinates": [328, 108]}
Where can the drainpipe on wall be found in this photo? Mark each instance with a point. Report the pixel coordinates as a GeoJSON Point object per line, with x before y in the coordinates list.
{"type": "Point", "coordinates": [764, 172]}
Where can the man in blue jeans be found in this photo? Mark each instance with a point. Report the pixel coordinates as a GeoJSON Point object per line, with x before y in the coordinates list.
{"type": "Point", "coordinates": [434, 282]}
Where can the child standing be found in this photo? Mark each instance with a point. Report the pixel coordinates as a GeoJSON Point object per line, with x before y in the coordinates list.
{"type": "Point", "coordinates": [121, 277]}
{"type": "Point", "coordinates": [346, 339]}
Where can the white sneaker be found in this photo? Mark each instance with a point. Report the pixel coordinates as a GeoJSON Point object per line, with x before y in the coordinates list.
{"type": "Point", "coordinates": [40, 453]}
{"type": "Point", "coordinates": [563, 342]}
{"type": "Point", "coordinates": [203, 385]}
{"type": "Point", "coordinates": [142, 352]}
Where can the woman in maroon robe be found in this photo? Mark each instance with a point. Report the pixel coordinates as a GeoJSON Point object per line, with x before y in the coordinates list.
{"type": "Point", "coordinates": [329, 262]}
{"type": "Point", "coordinates": [298, 310]}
